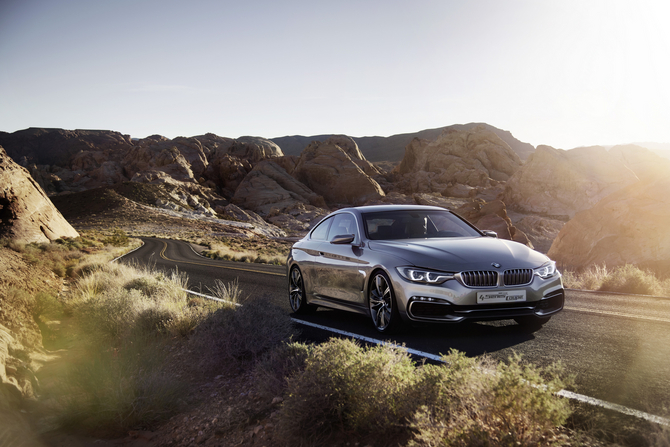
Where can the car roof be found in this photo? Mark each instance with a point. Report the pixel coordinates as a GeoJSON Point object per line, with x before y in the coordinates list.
{"type": "Point", "coordinates": [385, 208]}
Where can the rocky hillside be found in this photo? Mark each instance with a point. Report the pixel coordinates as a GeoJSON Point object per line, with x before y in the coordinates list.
{"type": "Point", "coordinates": [250, 184]}
{"type": "Point", "coordinates": [392, 148]}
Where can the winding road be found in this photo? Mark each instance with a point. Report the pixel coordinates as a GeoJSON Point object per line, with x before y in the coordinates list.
{"type": "Point", "coordinates": [617, 346]}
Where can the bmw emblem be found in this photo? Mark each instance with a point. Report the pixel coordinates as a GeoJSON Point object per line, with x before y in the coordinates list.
{"type": "Point", "coordinates": [496, 265]}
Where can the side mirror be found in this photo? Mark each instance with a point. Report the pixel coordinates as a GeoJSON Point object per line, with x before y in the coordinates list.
{"type": "Point", "coordinates": [343, 239]}
{"type": "Point", "coordinates": [489, 233]}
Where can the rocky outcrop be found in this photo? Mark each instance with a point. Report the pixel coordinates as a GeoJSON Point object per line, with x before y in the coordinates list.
{"type": "Point", "coordinates": [492, 216]}
{"type": "Point", "coordinates": [541, 231]}
{"type": "Point", "coordinates": [630, 226]}
{"type": "Point", "coordinates": [26, 213]}
{"type": "Point", "coordinates": [59, 146]}
{"type": "Point", "coordinates": [560, 183]}
{"type": "Point", "coordinates": [644, 163]}
{"type": "Point", "coordinates": [476, 158]}
{"type": "Point", "coordinates": [327, 169]}
{"type": "Point", "coordinates": [269, 188]}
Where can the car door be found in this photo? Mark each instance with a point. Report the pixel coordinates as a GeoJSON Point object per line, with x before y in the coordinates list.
{"type": "Point", "coordinates": [341, 266]}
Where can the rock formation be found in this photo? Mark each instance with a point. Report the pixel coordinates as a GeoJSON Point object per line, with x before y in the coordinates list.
{"type": "Point", "coordinates": [492, 216]}
{"type": "Point", "coordinates": [26, 213]}
{"type": "Point", "coordinates": [327, 169]}
{"type": "Point", "coordinates": [269, 188]}
{"type": "Point", "coordinates": [475, 158]}
{"type": "Point", "coordinates": [629, 226]}
{"type": "Point", "coordinates": [560, 183]}
{"type": "Point", "coordinates": [644, 163]}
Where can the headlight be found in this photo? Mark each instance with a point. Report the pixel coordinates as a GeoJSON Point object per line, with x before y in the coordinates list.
{"type": "Point", "coordinates": [547, 270]}
{"type": "Point", "coordinates": [424, 276]}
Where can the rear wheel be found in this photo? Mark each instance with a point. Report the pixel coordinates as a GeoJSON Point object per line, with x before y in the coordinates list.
{"type": "Point", "coordinates": [382, 304]}
{"type": "Point", "coordinates": [296, 293]}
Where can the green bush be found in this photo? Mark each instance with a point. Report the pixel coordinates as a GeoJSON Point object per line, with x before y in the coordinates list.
{"type": "Point", "coordinates": [272, 371]}
{"type": "Point", "coordinates": [469, 402]}
{"type": "Point", "coordinates": [119, 238]}
{"type": "Point", "coordinates": [46, 305]}
{"type": "Point", "coordinates": [379, 396]}
{"type": "Point", "coordinates": [348, 391]}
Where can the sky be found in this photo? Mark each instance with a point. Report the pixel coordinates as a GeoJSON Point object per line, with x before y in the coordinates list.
{"type": "Point", "coordinates": [562, 73]}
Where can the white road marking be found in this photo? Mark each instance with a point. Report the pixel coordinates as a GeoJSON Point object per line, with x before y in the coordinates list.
{"type": "Point", "coordinates": [211, 297]}
{"type": "Point", "coordinates": [125, 254]}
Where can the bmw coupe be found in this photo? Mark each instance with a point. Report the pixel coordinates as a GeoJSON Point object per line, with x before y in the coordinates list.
{"type": "Point", "coordinates": [404, 263]}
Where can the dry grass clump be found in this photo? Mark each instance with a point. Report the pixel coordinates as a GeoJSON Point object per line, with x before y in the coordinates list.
{"type": "Point", "coordinates": [623, 279]}
{"type": "Point", "coordinates": [257, 250]}
{"type": "Point", "coordinates": [380, 396]}
{"type": "Point", "coordinates": [126, 317]}
{"type": "Point", "coordinates": [66, 257]}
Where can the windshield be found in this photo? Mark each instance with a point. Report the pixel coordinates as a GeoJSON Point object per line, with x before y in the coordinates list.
{"type": "Point", "coordinates": [409, 224]}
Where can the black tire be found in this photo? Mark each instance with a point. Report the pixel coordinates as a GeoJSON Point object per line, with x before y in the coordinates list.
{"type": "Point", "coordinates": [296, 293]}
{"type": "Point", "coordinates": [532, 323]}
{"type": "Point", "coordinates": [382, 304]}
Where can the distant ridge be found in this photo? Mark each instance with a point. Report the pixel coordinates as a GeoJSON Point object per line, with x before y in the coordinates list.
{"type": "Point", "coordinates": [393, 148]}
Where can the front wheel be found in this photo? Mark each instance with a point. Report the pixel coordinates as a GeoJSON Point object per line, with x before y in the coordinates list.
{"type": "Point", "coordinates": [382, 304]}
{"type": "Point", "coordinates": [296, 293]}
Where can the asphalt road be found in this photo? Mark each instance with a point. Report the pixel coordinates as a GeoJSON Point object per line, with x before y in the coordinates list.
{"type": "Point", "coordinates": [617, 346]}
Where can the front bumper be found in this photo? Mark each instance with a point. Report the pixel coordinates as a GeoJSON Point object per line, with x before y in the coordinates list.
{"type": "Point", "coordinates": [452, 302]}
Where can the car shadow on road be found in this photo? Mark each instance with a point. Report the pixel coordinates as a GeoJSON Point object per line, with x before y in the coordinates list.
{"type": "Point", "coordinates": [473, 339]}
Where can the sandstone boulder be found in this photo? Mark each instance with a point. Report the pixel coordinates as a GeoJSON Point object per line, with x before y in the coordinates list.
{"type": "Point", "coordinates": [269, 187]}
{"type": "Point", "coordinates": [26, 213]}
{"type": "Point", "coordinates": [560, 183]}
{"type": "Point", "coordinates": [327, 169]}
{"type": "Point", "coordinates": [227, 172]}
{"type": "Point", "coordinates": [630, 226]}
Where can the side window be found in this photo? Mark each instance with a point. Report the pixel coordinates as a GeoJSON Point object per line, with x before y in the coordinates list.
{"type": "Point", "coordinates": [344, 223]}
{"type": "Point", "coordinates": [321, 231]}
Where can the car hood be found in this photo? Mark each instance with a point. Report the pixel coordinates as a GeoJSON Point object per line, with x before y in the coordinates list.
{"type": "Point", "coordinates": [462, 254]}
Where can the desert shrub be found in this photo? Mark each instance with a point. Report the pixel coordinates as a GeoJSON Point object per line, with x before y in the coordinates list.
{"type": "Point", "coordinates": [348, 391]}
{"type": "Point", "coordinates": [229, 292]}
{"type": "Point", "coordinates": [148, 285]}
{"type": "Point", "coordinates": [121, 388]}
{"type": "Point", "coordinates": [588, 279]}
{"type": "Point", "coordinates": [274, 368]}
{"type": "Point", "coordinates": [631, 279]}
{"type": "Point", "coordinates": [117, 300]}
{"type": "Point", "coordinates": [471, 402]}
{"type": "Point", "coordinates": [17, 246]}
{"type": "Point", "coordinates": [119, 238]}
{"type": "Point", "coordinates": [59, 269]}
{"type": "Point", "coordinates": [46, 305]}
{"type": "Point", "coordinates": [379, 396]}
{"type": "Point", "coordinates": [238, 333]}
{"type": "Point", "coordinates": [623, 279]}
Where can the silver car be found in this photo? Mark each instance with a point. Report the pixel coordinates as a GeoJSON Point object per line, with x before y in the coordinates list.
{"type": "Point", "coordinates": [404, 263]}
